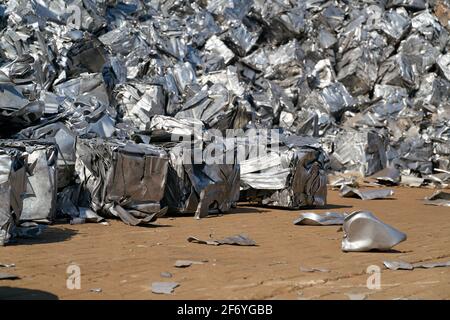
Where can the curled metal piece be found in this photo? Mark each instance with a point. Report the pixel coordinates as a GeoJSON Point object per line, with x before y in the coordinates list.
{"type": "Point", "coordinates": [365, 232]}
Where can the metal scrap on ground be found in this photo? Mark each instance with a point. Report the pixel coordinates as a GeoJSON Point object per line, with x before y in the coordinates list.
{"type": "Point", "coordinates": [164, 287]}
{"type": "Point", "coordinates": [8, 276]}
{"type": "Point", "coordinates": [401, 265]}
{"type": "Point", "coordinates": [367, 194]}
{"type": "Point", "coordinates": [365, 232]}
{"type": "Point", "coordinates": [238, 240]}
{"type": "Point", "coordinates": [438, 198]}
{"type": "Point", "coordinates": [186, 263]}
{"type": "Point", "coordinates": [325, 219]}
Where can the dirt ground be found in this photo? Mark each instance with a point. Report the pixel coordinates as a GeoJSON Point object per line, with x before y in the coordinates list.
{"type": "Point", "coordinates": [123, 261]}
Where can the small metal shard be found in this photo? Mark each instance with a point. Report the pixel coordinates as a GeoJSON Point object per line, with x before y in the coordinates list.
{"type": "Point", "coordinates": [164, 287]}
{"type": "Point", "coordinates": [238, 240]}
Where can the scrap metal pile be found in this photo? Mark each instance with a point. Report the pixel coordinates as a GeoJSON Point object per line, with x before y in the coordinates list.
{"type": "Point", "coordinates": [93, 92]}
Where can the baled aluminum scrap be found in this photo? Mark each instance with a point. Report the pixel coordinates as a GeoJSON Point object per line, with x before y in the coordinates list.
{"type": "Point", "coordinates": [39, 202]}
{"type": "Point", "coordinates": [195, 186]}
{"type": "Point", "coordinates": [291, 176]}
{"type": "Point", "coordinates": [363, 151]}
{"type": "Point", "coordinates": [326, 219]}
{"type": "Point", "coordinates": [134, 195]}
{"type": "Point", "coordinates": [12, 188]}
{"type": "Point", "coordinates": [365, 232]}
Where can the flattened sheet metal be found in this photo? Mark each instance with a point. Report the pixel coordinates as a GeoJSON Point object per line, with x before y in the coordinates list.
{"type": "Point", "coordinates": [438, 198]}
{"type": "Point", "coordinates": [367, 194]}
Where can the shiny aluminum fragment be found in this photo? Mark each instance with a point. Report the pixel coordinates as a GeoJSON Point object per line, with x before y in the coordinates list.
{"type": "Point", "coordinates": [365, 232]}
{"type": "Point", "coordinates": [388, 176]}
{"type": "Point", "coordinates": [164, 287]}
{"type": "Point", "coordinates": [368, 194]}
{"type": "Point", "coordinates": [401, 265]}
{"type": "Point", "coordinates": [325, 219]}
{"type": "Point", "coordinates": [438, 198]}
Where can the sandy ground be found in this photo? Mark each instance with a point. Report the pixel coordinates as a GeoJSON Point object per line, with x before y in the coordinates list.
{"type": "Point", "coordinates": [123, 261]}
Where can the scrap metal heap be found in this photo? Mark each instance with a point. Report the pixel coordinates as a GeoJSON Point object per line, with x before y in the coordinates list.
{"type": "Point", "coordinates": [106, 81]}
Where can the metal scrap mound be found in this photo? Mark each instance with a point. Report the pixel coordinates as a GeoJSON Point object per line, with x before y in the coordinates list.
{"type": "Point", "coordinates": [108, 84]}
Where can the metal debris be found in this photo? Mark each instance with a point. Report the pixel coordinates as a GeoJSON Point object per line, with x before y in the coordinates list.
{"type": "Point", "coordinates": [307, 269]}
{"type": "Point", "coordinates": [166, 274]}
{"type": "Point", "coordinates": [388, 176]}
{"type": "Point", "coordinates": [292, 176]}
{"type": "Point", "coordinates": [186, 263]}
{"type": "Point", "coordinates": [365, 232]}
{"type": "Point", "coordinates": [164, 287]}
{"type": "Point", "coordinates": [367, 194]}
{"type": "Point", "coordinates": [122, 180]}
{"type": "Point", "coordinates": [352, 87]}
{"type": "Point", "coordinates": [8, 276]}
{"type": "Point", "coordinates": [401, 265]}
{"type": "Point", "coordinates": [7, 265]}
{"type": "Point", "coordinates": [238, 240]}
{"type": "Point", "coordinates": [325, 219]}
{"type": "Point", "coordinates": [438, 198]}
{"type": "Point", "coordinates": [96, 290]}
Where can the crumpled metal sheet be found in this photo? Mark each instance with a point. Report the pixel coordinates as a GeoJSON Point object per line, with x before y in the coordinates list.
{"type": "Point", "coordinates": [388, 176]}
{"type": "Point", "coordinates": [367, 194]}
{"type": "Point", "coordinates": [438, 198]}
{"type": "Point", "coordinates": [326, 219]}
{"type": "Point", "coordinates": [122, 180]}
{"type": "Point", "coordinates": [365, 232]}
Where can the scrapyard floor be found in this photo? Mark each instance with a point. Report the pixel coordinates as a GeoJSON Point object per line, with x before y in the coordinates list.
{"type": "Point", "coordinates": [123, 261]}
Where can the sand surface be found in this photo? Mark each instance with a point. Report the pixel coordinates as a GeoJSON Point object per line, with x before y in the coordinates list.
{"type": "Point", "coordinates": [123, 261]}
